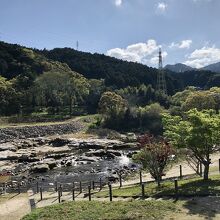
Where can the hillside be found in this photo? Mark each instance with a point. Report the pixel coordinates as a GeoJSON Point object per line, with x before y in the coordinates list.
{"type": "Point", "coordinates": [213, 67]}
{"type": "Point", "coordinates": [16, 60]}
{"type": "Point", "coordinates": [178, 68]}
{"type": "Point", "coordinates": [117, 73]}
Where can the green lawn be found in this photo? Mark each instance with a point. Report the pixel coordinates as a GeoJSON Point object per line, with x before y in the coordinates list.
{"type": "Point", "coordinates": [189, 187]}
{"type": "Point", "coordinates": [105, 210]}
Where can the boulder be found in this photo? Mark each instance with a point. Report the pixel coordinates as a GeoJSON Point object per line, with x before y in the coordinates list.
{"type": "Point", "coordinates": [8, 146]}
{"type": "Point", "coordinates": [51, 163]}
{"type": "Point", "coordinates": [87, 159]}
{"type": "Point", "coordinates": [40, 168]}
{"type": "Point", "coordinates": [59, 142]}
{"type": "Point", "coordinates": [113, 178]}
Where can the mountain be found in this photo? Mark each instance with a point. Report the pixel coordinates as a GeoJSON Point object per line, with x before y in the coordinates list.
{"type": "Point", "coordinates": [28, 63]}
{"type": "Point", "coordinates": [178, 68]}
{"type": "Point", "coordinates": [213, 67]}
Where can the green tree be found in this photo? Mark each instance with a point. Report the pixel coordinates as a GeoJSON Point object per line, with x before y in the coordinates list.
{"type": "Point", "coordinates": [199, 100]}
{"type": "Point", "coordinates": [56, 89]}
{"type": "Point", "coordinates": [198, 131]}
{"type": "Point", "coordinates": [9, 98]}
{"type": "Point", "coordinates": [112, 107]}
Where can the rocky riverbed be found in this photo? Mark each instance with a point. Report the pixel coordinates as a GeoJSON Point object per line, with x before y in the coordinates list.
{"type": "Point", "coordinates": [67, 159]}
{"type": "Point", "coordinates": [12, 133]}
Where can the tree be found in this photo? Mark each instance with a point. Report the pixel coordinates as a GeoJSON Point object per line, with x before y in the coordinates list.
{"type": "Point", "coordinates": [200, 100]}
{"type": "Point", "coordinates": [198, 131]}
{"type": "Point", "coordinates": [155, 156]}
{"type": "Point", "coordinates": [55, 89]}
{"type": "Point", "coordinates": [96, 89]}
{"type": "Point", "coordinates": [112, 107]}
{"type": "Point", "coordinates": [9, 98]}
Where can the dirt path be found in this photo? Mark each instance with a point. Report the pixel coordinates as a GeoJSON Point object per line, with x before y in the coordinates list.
{"type": "Point", "coordinates": [14, 206]}
{"type": "Point", "coordinates": [175, 171]}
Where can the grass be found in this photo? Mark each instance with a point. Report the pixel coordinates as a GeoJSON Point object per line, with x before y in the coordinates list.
{"type": "Point", "coordinates": [105, 210]}
{"type": "Point", "coordinates": [188, 187]}
{"type": "Point", "coordinates": [6, 123]}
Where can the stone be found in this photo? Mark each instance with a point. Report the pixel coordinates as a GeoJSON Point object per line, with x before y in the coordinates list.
{"type": "Point", "coordinates": [40, 168]}
{"type": "Point", "coordinates": [8, 146]}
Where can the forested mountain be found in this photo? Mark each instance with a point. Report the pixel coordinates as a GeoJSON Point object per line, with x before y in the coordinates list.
{"type": "Point", "coordinates": [178, 68]}
{"type": "Point", "coordinates": [215, 67]}
{"type": "Point", "coordinates": [120, 74]}
{"type": "Point", "coordinates": [115, 72]}
{"type": "Point", "coordinates": [16, 60]}
{"type": "Point", "coordinates": [32, 79]}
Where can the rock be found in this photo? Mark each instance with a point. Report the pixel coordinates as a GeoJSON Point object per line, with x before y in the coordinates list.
{"type": "Point", "coordinates": [103, 153]}
{"type": "Point", "coordinates": [9, 134]}
{"type": "Point", "coordinates": [8, 146]}
{"type": "Point", "coordinates": [8, 155]}
{"type": "Point", "coordinates": [123, 146]}
{"type": "Point", "coordinates": [51, 163]}
{"type": "Point", "coordinates": [113, 178]}
{"type": "Point", "coordinates": [68, 163]}
{"type": "Point", "coordinates": [27, 158]}
{"type": "Point", "coordinates": [57, 156]}
{"type": "Point", "coordinates": [87, 159]}
{"type": "Point", "coordinates": [130, 154]}
{"type": "Point", "coordinates": [41, 168]}
{"type": "Point", "coordinates": [59, 142]}
{"type": "Point", "coordinates": [116, 153]}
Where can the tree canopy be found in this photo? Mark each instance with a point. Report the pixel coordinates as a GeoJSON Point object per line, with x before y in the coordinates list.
{"type": "Point", "coordinates": [198, 131]}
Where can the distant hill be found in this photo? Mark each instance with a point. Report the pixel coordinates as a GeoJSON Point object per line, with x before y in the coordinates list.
{"type": "Point", "coordinates": [213, 67]}
{"type": "Point", "coordinates": [178, 68]}
{"type": "Point", "coordinates": [28, 63]}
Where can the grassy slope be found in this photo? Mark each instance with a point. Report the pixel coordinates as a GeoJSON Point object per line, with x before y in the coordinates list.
{"type": "Point", "coordinates": [188, 187]}
{"type": "Point", "coordinates": [5, 124]}
{"type": "Point", "coordinates": [104, 210]}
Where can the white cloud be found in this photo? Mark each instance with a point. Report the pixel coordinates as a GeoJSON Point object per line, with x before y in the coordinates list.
{"type": "Point", "coordinates": [146, 53]}
{"type": "Point", "coordinates": [184, 44]}
{"type": "Point", "coordinates": [203, 57]}
{"type": "Point", "coordinates": [162, 7]}
{"type": "Point", "coordinates": [118, 3]}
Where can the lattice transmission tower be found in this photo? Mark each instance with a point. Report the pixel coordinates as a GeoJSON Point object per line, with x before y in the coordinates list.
{"type": "Point", "coordinates": [161, 81]}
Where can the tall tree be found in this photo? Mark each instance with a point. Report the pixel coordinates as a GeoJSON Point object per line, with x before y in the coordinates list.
{"type": "Point", "coordinates": [197, 131]}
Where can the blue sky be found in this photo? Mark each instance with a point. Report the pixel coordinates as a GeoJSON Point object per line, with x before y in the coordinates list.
{"type": "Point", "coordinates": [187, 30]}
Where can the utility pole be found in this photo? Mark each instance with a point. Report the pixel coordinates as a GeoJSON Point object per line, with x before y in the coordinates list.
{"type": "Point", "coordinates": [161, 81]}
{"type": "Point", "coordinates": [77, 45]}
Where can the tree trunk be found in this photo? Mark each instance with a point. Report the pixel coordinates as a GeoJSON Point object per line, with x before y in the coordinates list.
{"type": "Point", "coordinates": [206, 171]}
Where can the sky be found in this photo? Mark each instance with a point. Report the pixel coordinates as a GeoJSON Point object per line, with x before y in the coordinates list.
{"type": "Point", "coordinates": [188, 31]}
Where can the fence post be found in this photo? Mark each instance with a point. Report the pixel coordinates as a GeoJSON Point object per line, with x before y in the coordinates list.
{"type": "Point", "coordinates": [89, 188]}
{"type": "Point", "coordinates": [110, 192]}
{"type": "Point", "coordinates": [120, 180]}
{"type": "Point", "coordinates": [100, 184]}
{"type": "Point", "coordinates": [56, 186]}
{"type": "Point", "coordinates": [80, 187]}
{"type": "Point", "coordinates": [41, 194]}
{"type": "Point", "coordinates": [176, 189]}
{"type": "Point", "coordinates": [140, 177]}
{"type": "Point", "coordinates": [219, 165]}
{"type": "Point", "coordinates": [19, 188]}
{"type": "Point", "coordinates": [142, 190]}
{"type": "Point", "coordinates": [61, 191]}
{"type": "Point", "coordinates": [181, 172]}
{"type": "Point", "coordinates": [37, 187]}
{"type": "Point", "coordinates": [93, 184]}
{"type": "Point", "coordinates": [59, 194]}
{"type": "Point", "coordinates": [73, 191]}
